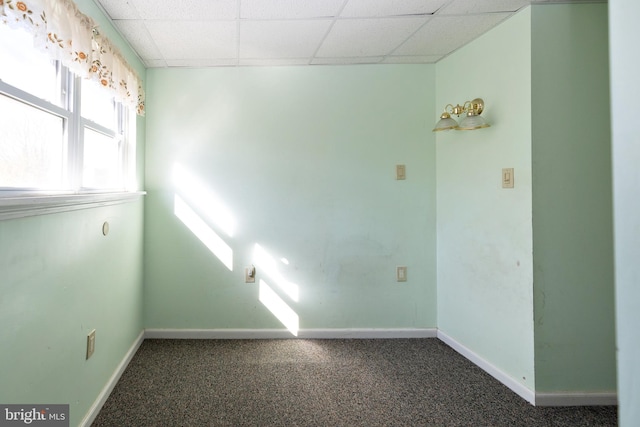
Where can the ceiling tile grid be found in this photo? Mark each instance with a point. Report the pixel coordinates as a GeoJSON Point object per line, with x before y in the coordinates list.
{"type": "Point", "coordinates": [289, 9]}
{"type": "Point", "coordinates": [445, 34]}
{"type": "Point", "coordinates": [348, 60]}
{"type": "Point", "coordinates": [117, 9]}
{"type": "Point", "coordinates": [214, 33]}
{"type": "Point", "coordinates": [471, 7]}
{"type": "Point", "coordinates": [194, 39]}
{"type": "Point", "coordinates": [139, 38]}
{"type": "Point", "coordinates": [383, 8]}
{"type": "Point", "coordinates": [281, 39]}
{"type": "Point", "coordinates": [368, 37]}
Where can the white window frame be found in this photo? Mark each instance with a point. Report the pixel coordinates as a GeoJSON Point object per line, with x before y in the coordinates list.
{"type": "Point", "coordinates": [18, 202]}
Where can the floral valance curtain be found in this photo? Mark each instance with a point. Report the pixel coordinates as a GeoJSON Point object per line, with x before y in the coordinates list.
{"type": "Point", "coordinates": [62, 30]}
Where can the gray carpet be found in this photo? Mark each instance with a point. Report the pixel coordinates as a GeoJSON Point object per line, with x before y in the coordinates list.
{"type": "Point", "coordinates": [399, 382]}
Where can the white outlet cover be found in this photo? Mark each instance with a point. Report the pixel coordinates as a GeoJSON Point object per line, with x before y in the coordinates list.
{"type": "Point", "coordinates": [401, 274]}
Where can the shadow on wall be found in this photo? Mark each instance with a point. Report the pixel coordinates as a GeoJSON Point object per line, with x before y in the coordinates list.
{"type": "Point", "coordinates": [202, 198]}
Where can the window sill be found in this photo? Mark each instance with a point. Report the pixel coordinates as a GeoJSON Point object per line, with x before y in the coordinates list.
{"type": "Point", "coordinates": [24, 206]}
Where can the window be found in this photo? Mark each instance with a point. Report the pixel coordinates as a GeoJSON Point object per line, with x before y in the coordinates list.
{"type": "Point", "coordinates": [103, 125]}
{"type": "Point", "coordinates": [31, 156]}
{"type": "Point", "coordinates": [59, 134]}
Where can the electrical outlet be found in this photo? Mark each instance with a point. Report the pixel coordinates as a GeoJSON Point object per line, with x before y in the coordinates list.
{"type": "Point", "coordinates": [401, 274]}
{"type": "Point", "coordinates": [91, 343]}
{"type": "Point", "coordinates": [401, 172]}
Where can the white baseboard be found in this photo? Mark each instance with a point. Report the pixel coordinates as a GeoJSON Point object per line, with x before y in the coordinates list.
{"type": "Point", "coordinates": [518, 388]}
{"type": "Point", "coordinates": [576, 399]}
{"type": "Point", "coordinates": [367, 333]}
{"type": "Point", "coordinates": [535, 398]}
{"type": "Point", "coordinates": [108, 388]}
{"type": "Point", "coordinates": [283, 333]}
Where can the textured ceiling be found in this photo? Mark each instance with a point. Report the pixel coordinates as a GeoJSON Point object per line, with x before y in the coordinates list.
{"type": "Point", "coordinates": [208, 33]}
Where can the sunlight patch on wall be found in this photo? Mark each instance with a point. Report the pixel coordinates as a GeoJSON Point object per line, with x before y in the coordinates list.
{"type": "Point", "coordinates": [269, 266]}
{"type": "Point", "coordinates": [203, 232]}
{"type": "Point", "coordinates": [203, 199]}
{"type": "Point", "coordinates": [279, 308]}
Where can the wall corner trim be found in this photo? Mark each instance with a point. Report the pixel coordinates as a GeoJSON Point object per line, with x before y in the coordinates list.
{"type": "Point", "coordinates": [518, 388]}
{"type": "Point", "coordinates": [284, 334]}
{"type": "Point", "coordinates": [108, 388]}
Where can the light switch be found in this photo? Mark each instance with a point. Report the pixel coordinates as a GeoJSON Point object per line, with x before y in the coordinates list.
{"type": "Point", "coordinates": [401, 172]}
{"type": "Point", "coordinates": [250, 274]}
{"type": "Point", "coordinates": [507, 178]}
{"type": "Point", "coordinates": [401, 273]}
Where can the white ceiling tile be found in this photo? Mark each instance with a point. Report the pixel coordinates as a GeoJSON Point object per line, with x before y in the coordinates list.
{"type": "Point", "coordinates": [281, 39]}
{"type": "Point", "coordinates": [118, 9]}
{"type": "Point", "coordinates": [423, 59]}
{"type": "Point", "coordinates": [194, 39]}
{"type": "Point", "coordinates": [367, 37]}
{"type": "Point", "coordinates": [187, 10]}
{"type": "Point", "coordinates": [136, 33]}
{"type": "Point", "coordinates": [298, 32]}
{"type": "Point", "coordinates": [289, 9]}
{"type": "Point", "coordinates": [463, 7]}
{"type": "Point", "coordinates": [442, 35]}
{"type": "Point", "coordinates": [204, 62]}
{"type": "Point", "coordinates": [278, 62]}
{"type": "Point", "coordinates": [346, 61]}
{"type": "Point", "coordinates": [379, 8]}
{"type": "Point", "coordinates": [155, 63]}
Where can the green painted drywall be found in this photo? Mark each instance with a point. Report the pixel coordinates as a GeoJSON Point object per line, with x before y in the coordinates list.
{"type": "Point", "coordinates": [572, 213]}
{"type": "Point", "coordinates": [303, 161]}
{"type": "Point", "coordinates": [485, 278]}
{"type": "Point", "coordinates": [59, 279]}
{"type": "Point", "coordinates": [624, 33]}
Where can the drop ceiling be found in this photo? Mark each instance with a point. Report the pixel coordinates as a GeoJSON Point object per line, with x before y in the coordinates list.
{"type": "Point", "coordinates": [210, 33]}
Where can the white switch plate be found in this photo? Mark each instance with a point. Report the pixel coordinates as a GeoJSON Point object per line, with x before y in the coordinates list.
{"type": "Point", "coordinates": [250, 274]}
{"type": "Point", "coordinates": [91, 343]}
{"type": "Point", "coordinates": [507, 178]}
{"type": "Point", "coordinates": [401, 172]}
{"type": "Point", "coordinates": [401, 274]}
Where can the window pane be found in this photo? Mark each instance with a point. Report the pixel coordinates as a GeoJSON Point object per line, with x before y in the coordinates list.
{"type": "Point", "coordinates": [97, 104]}
{"type": "Point", "coordinates": [101, 161]}
{"type": "Point", "coordinates": [26, 68]}
{"type": "Point", "coordinates": [31, 146]}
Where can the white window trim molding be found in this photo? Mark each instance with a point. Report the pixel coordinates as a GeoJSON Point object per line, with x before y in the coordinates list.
{"type": "Point", "coordinates": [25, 206]}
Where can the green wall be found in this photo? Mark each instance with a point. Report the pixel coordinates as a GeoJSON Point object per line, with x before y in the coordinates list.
{"type": "Point", "coordinates": [60, 278]}
{"type": "Point", "coordinates": [543, 250]}
{"type": "Point", "coordinates": [485, 274]}
{"type": "Point", "coordinates": [302, 160]}
{"type": "Point", "coordinates": [624, 33]}
{"type": "Point", "coordinates": [572, 212]}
